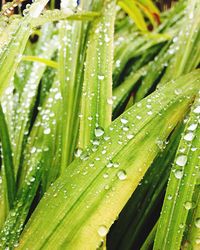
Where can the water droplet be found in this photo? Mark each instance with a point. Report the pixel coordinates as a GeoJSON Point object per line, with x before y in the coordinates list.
{"type": "Point", "coordinates": [169, 197]}
{"type": "Point", "coordinates": [58, 96]}
{"type": "Point", "coordinates": [109, 164]}
{"type": "Point", "coordinates": [181, 160]}
{"type": "Point", "coordinates": [188, 205]}
{"type": "Point", "coordinates": [102, 231]}
{"type": "Point", "coordinates": [115, 164]}
{"type": "Point", "coordinates": [177, 91]}
{"type": "Point", "coordinates": [191, 15]}
{"type": "Point", "coordinates": [90, 118]}
{"type": "Point", "coordinates": [36, 9]}
{"type": "Point", "coordinates": [192, 127]}
{"type": "Point", "coordinates": [78, 152]}
{"type": "Point", "coordinates": [33, 150]}
{"type": "Point", "coordinates": [197, 110]}
{"type": "Point", "coordinates": [181, 225]}
{"type": "Point", "coordinates": [149, 113]}
{"type": "Point", "coordinates": [91, 164]}
{"type": "Point", "coordinates": [107, 39]}
{"type": "Point", "coordinates": [105, 175]}
{"type": "Point", "coordinates": [110, 101]}
{"type": "Point", "coordinates": [117, 63]}
{"type": "Point", "coordinates": [95, 142]}
{"type": "Point", "coordinates": [130, 136]}
{"type": "Point", "coordinates": [124, 120]}
{"type": "Point", "coordinates": [47, 131]}
{"type": "Point", "coordinates": [197, 222]}
{"type": "Point", "coordinates": [32, 179]}
{"type": "Point", "coordinates": [121, 174]}
{"type": "Point", "coordinates": [101, 77]}
{"type": "Point", "coordinates": [160, 143]}
{"type": "Point", "coordinates": [189, 136]}
{"type": "Point", "coordinates": [178, 174]}
{"type": "Point", "coordinates": [98, 131]}
{"type": "Point", "coordinates": [125, 128]}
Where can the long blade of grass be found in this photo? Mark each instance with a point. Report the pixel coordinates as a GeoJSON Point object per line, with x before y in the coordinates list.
{"type": "Point", "coordinates": [11, 51]}
{"type": "Point", "coordinates": [143, 208]}
{"type": "Point", "coordinates": [188, 41]}
{"type": "Point", "coordinates": [192, 233]}
{"type": "Point", "coordinates": [47, 62]}
{"type": "Point", "coordinates": [134, 11]}
{"type": "Point", "coordinates": [27, 100]}
{"type": "Point", "coordinates": [107, 177]}
{"type": "Point", "coordinates": [42, 158]}
{"type": "Point", "coordinates": [148, 243]}
{"type": "Point", "coordinates": [96, 106]}
{"type": "Point", "coordinates": [58, 15]}
{"type": "Point", "coordinates": [3, 201]}
{"type": "Point", "coordinates": [183, 178]}
{"type": "Point", "coordinates": [8, 166]}
{"type": "Point", "coordinates": [73, 39]}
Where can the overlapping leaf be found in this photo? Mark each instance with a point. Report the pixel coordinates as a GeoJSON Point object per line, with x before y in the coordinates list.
{"type": "Point", "coordinates": [184, 174]}
{"type": "Point", "coordinates": [121, 159]}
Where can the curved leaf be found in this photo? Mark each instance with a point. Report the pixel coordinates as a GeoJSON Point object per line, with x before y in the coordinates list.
{"type": "Point", "coordinates": [87, 198]}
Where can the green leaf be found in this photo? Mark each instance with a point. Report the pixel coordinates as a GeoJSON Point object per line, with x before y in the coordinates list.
{"type": "Point", "coordinates": [182, 181]}
{"type": "Point", "coordinates": [186, 41]}
{"type": "Point", "coordinates": [8, 166]}
{"type": "Point", "coordinates": [96, 102]}
{"type": "Point", "coordinates": [192, 233]}
{"type": "Point", "coordinates": [29, 93]}
{"type": "Point", "coordinates": [58, 15]}
{"type": "Point", "coordinates": [73, 39]}
{"type": "Point", "coordinates": [45, 61]}
{"type": "Point", "coordinates": [41, 161]}
{"type": "Point", "coordinates": [11, 50]}
{"type": "Point", "coordinates": [87, 198]}
{"type": "Point", "coordinates": [135, 13]}
{"type": "Point", "coordinates": [143, 208]}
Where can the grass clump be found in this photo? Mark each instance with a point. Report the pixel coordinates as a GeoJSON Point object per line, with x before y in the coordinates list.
{"type": "Point", "coordinates": [99, 125]}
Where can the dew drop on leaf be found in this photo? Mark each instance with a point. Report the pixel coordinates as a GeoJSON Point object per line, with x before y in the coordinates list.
{"type": "Point", "coordinates": [197, 110]}
{"type": "Point", "coordinates": [78, 152]}
{"type": "Point", "coordinates": [181, 225]}
{"type": "Point", "coordinates": [192, 127]}
{"type": "Point", "coordinates": [106, 187]}
{"type": "Point", "coordinates": [187, 205]}
{"type": "Point", "coordinates": [169, 197]}
{"type": "Point", "coordinates": [121, 174]}
{"type": "Point", "coordinates": [105, 175]}
{"type": "Point", "coordinates": [98, 131]}
{"type": "Point", "coordinates": [101, 77]}
{"type": "Point", "coordinates": [189, 136]}
{"type": "Point", "coordinates": [181, 160]}
{"type": "Point", "coordinates": [115, 164]}
{"type": "Point", "coordinates": [33, 150]}
{"type": "Point", "coordinates": [177, 91]}
{"type": "Point", "coordinates": [102, 231]}
{"type": "Point", "coordinates": [124, 121]}
{"type": "Point", "coordinates": [109, 164]}
{"type": "Point", "coordinates": [160, 143]}
{"type": "Point", "coordinates": [178, 174]}
{"type": "Point", "coordinates": [47, 131]}
{"type": "Point", "coordinates": [125, 128]}
{"type": "Point", "coordinates": [110, 101]}
{"type": "Point", "coordinates": [130, 136]}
